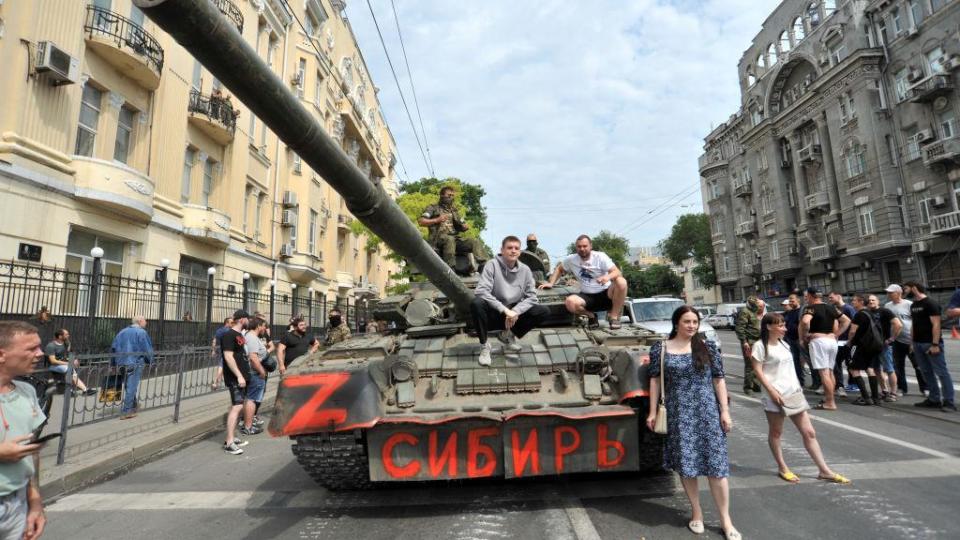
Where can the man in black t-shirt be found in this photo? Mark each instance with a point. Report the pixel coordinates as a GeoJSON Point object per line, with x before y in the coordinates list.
{"type": "Point", "coordinates": [928, 347]}
{"type": "Point", "coordinates": [236, 373]}
{"type": "Point", "coordinates": [864, 352]}
{"type": "Point", "coordinates": [890, 326]}
{"type": "Point", "coordinates": [820, 324]}
{"type": "Point", "coordinates": [294, 344]}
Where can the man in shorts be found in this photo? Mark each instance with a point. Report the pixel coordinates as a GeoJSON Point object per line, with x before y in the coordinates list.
{"type": "Point", "coordinates": [256, 353]}
{"type": "Point", "coordinates": [236, 373]}
{"type": "Point", "coordinates": [865, 349]}
{"type": "Point", "coordinates": [820, 324]}
{"type": "Point", "coordinates": [602, 286]}
{"type": "Point", "coordinates": [891, 327]}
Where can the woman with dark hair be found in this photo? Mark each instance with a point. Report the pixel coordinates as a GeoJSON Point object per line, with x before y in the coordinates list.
{"type": "Point", "coordinates": [773, 366]}
{"type": "Point", "coordinates": [698, 416]}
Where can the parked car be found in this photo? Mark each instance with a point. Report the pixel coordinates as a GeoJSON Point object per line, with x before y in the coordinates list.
{"type": "Point", "coordinates": [654, 314]}
{"type": "Point", "coordinates": [717, 320]}
{"type": "Point", "coordinates": [705, 311]}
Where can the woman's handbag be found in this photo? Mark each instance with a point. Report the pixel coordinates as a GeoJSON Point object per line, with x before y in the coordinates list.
{"type": "Point", "coordinates": [794, 403]}
{"type": "Point", "coordinates": [660, 426]}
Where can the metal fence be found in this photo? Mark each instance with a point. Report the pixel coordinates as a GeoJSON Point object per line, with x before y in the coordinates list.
{"type": "Point", "coordinates": [95, 306]}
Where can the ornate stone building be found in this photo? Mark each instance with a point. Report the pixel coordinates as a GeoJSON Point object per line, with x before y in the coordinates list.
{"type": "Point", "coordinates": [839, 169]}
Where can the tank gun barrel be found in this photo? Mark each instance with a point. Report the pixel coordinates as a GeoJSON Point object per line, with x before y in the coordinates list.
{"type": "Point", "coordinates": [215, 41]}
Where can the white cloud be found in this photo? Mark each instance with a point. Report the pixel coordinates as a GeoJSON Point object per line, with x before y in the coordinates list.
{"type": "Point", "coordinates": [574, 116]}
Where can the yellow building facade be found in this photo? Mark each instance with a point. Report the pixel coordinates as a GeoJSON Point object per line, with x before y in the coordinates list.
{"type": "Point", "coordinates": [113, 136]}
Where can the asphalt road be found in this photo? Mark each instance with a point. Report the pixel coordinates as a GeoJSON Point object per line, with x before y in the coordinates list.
{"type": "Point", "coordinates": [904, 467]}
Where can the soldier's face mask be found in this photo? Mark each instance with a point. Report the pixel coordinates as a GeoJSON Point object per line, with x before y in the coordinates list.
{"type": "Point", "coordinates": [532, 245]}
{"type": "Point", "coordinates": [335, 320]}
{"type": "Point", "coordinates": [446, 199]}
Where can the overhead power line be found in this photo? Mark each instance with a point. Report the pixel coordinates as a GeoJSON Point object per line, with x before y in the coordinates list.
{"type": "Point", "coordinates": [403, 100]}
{"type": "Point", "coordinates": [413, 89]}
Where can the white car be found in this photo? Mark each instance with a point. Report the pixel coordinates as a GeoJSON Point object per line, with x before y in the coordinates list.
{"type": "Point", "coordinates": [654, 314]}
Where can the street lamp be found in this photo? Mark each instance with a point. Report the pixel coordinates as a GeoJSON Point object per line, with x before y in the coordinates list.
{"type": "Point", "coordinates": [246, 291]}
{"type": "Point", "coordinates": [95, 279]}
{"type": "Point", "coordinates": [162, 278]}
{"type": "Point", "coordinates": [210, 272]}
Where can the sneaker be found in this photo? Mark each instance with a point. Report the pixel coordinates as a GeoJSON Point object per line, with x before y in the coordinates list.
{"type": "Point", "coordinates": [852, 388]}
{"type": "Point", "coordinates": [818, 391]}
{"type": "Point", "coordinates": [948, 406]}
{"type": "Point", "coordinates": [233, 449]}
{"type": "Point", "coordinates": [900, 393]}
{"type": "Point", "coordinates": [239, 442]}
{"type": "Point", "coordinates": [927, 404]}
{"type": "Point", "coordinates": [509, 341]}
{"type": "Point", "coordinates": [842, 392]}
{"type": "Point", "coordinates": [257, 421]}
{"type": "Point", "coordinates": [485, 359]}
{"type": "Point", "coordinates": [254, 430]}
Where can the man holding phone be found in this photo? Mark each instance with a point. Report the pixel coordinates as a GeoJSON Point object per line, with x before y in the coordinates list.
{"type": "Point", "coordinates": [21, 507]}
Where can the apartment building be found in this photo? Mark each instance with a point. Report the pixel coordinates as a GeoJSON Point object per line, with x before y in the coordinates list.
{"type": "Point", "coordinates": [113, 136]}
{"type": "Point", "coordinates": [839, 170]}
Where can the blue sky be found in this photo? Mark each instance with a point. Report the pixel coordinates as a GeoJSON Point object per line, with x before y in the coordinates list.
{"type": "Point", "coordinates": [574, 116]}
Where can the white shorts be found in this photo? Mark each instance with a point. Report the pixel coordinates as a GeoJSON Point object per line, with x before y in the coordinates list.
{"type": "Point", "coordinates": [823, 353]}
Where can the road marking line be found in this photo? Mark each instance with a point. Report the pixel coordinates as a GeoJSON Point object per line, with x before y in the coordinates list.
{"type": "Point", "coordinates": [580, 521]}
{"type": "Point", "coordinates": [866, 433]}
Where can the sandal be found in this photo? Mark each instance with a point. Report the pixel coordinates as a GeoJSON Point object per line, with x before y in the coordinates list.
{"type": "Point", "coordinates": [615, 324]}
{"type": "Point", "coordinates": [837, 478]}
{"type": "Point", "coordinates": [732, 534]}
{"type": "Point", "coordinates": [861, 401]}
{"type": "Point", "coordinates": [822, 407]}
{"type": "Point", "coordinates": [789, 477]}
{"type": "Point", "coordinates": [695, 526]}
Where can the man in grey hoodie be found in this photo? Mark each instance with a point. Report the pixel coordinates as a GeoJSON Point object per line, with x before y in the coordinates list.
{"type": "Point", "coordinates": [506, 299]}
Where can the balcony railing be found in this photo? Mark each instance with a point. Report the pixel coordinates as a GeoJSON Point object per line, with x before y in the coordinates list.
{"type": "Point", "coordinates": [125, 33]}
{"type": "Point", "coordinates": [742, 188]}
{"type": "Point", "coordinates": [746, 228]}
{"type": "Point", "coordinates": [945, 223]}
{"type": "Point", "coordinates": [811, 152]}
{"type": "Point", "coordinates": [858, 182]}
{"type": "Point", "coordinates": [231, 11]}
{"type": "Point", "coordinates": [821, 252]}
{"type": "Point", "coordinates": [215, 108]}
{"type": "Point", "coordinates": [818, 201]}
{"type": "Point", "coordinates": [942, 150]}
{"type": "Point", "coordinates": [930, 88]}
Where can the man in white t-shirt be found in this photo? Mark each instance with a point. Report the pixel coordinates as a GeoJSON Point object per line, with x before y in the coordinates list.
{"type": "Point", "coordinates": [602, 286]}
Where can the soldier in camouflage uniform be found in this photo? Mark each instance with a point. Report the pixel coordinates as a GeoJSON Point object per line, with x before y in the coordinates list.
{"type": "Point", "coordinates": [337, 330]}
{"type": "Point", "coordinates": [748, 332]}
{"type": "Point", "coordinates": [444, 224]}
{"type": "Point", "coordinates": [533, 247]}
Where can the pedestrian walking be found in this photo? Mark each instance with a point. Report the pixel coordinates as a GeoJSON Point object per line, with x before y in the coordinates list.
{"type": "Point", "coordinates": [21, 506]}
{"type": "Point", "coordinates": [236, 374]}
{"type": "Point", "coordinates": [783, 397]}
{"type": "Point", "coordinates": [820, 324]}
{"type": "Point", "coordinates": [890, 326]}
{"type": "Point", "coordinates": [902, 347]}
{"type": "Point", "coordinates": [698, 415]}
{"type": "Point", "coordinates": [866, 344]}
{"type": "Point", "coordinates": [132, 350]}
{"type": "Point", "coordinates": [748, 331]}
{"type": "Point", "coordinates": [256, 354]}
{"type": "Point", "coordinates": [928, 347]}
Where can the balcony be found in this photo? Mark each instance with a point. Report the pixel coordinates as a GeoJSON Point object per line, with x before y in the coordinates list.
{"type": "Point", "coordinates": [822, 252]}
{"type": "Point", "coordinates": [231, 11]}
{"type": "Point", "coordinates": [945, 223]}
{"type": "Point", "coordinates": [810, 152]}
{"type": "Point", "coordinates": [752, 268]}
{"type": "Point", "coordinates": [303, 267]}
{"type": "Point", "coordinates": [715, 194]}
{"type": "Point", "coordinates": [114, 187]}
{"type": "Point", "coordinates": [818, 201]}
{"type": "Point", "coordinates": [717, 238]}
{"type": "Point", "coordinates": [930, 88]}
{"type": "Point", "coordinates": [743, 188]}
{"type": "Point", "coordinates": [857, 183]}
{"type": "Point", "coordinates": [706, 164]}
{"type": "Point", "coordinates": [357, 127]}
{"type": "Point", "coordinates": [941, 151]}
{"type": "Point", "coordinates": [207, 225]}
{"type": "Point", "coordinates": [344, 280]}
{"type": "Point", "coordinates": [343, 222]}
{"type": "Point", "coordinates": [213, 115]}
{"type": "Point", "coordinates": [746, 228]}
{"type": "Point", "coordinates": [125, 45]}
{"type": "Point", "coordinates": [366, 290]}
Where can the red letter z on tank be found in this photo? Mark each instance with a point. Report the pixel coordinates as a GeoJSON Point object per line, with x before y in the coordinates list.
{"type": "Point", "coordinates": [311, 416]}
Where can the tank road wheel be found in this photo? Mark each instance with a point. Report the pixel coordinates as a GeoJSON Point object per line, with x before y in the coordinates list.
{"type": "Point", "coordinates": [337, 461]}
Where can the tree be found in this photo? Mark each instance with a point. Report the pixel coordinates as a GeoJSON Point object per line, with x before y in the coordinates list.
{"type": "Point", "coordinates": [616, 247]}
{"type": "Point", "coordinates": [691, 238]}
{"type": "Point", "coordinates": [468, 197]}
{"type": "Point", "coordinates": [653, 280]}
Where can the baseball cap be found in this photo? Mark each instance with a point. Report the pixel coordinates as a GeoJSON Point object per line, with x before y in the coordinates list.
{"type": "Point", "coordinates": [786, 301]}
{"type": "Point", "coordinates": [893, 287]}
{"type": "Point", "coordinates": [240, 314]}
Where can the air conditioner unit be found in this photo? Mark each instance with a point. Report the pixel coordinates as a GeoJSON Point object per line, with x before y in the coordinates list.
{"type": "Point", "coordinates": [919, 247]}
{"type": "Point", "coordinates": [832, 274]}
{"type": "Point", "coordinates": [938, 201]}
{"type": "Point", "coordinates": [923, 135]}
{"type": "Point", "coordinates": [288, 218]}
{"type": "Point", "coordinates": [297, 79]}
{"type": "Point", "coordinates": [793, 250]}
{"type": "Point", "coordinates": [914, 75]}
{"type": "Point", "coordinates": [289, 198]}
{"type": "Point", "coordinates": [950, 62]}
{"type": "Point", "coordinates": [63, 68]}
{"type": "Point", "coordinates": [286, 251]}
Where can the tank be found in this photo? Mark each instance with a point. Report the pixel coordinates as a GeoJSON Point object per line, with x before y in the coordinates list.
{"type": "Point", "coordinates": [413, 403]}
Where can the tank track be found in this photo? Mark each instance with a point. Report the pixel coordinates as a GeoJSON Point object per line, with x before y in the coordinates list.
{"type": "Point", "coordinates": [337, 461]}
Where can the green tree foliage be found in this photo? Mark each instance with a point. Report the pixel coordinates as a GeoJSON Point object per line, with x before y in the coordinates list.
{"type": "Point", "coordinates": [691, 238]}
{"type": "Point", "coordinates": [616, 247]}
{"type": "Point", "coordinates": [655, 279]}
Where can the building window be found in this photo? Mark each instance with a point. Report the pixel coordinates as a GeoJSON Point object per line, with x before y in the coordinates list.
{"type": "Point", "coordinates": [837, 51]}
{"type": "Point", "coordinates": [924, 213]}
{"type": "Point", "coordinates": [297, 163]}
{"type": "Point", "coordinates": [715, 190]}
{"type": "Point", "coordinates": [293, 229]}
{"type": "Point", "coordinates": [751, 79]}
{"type": "Point", "coordinates": [89, 117]}
{"type": "Point", "coordinates": [121, 149]}
{"type": "Point", "coordinates": [771, 55]}
{"type": "Point", "coordinates": [855, 160]}
{"type": "Point", "coordinates": [829, 6]}
{"type": "Point", "coordinates": [933, 61]}
{"type": "Point", "coordinates": [865, 220]}
{"type": "Point", "coordinates": [913, 148]}
{"type": "Point", "coordinates": [798, 31]}
{"type": "Point", "coordinates": [791, 197]}
{"type": "Point", "coordinates": [312, 232]}
{"type": "Point", "coordinates": [761, 61]}
{"type": "Point", "coordinates": [189, 158]}
{"type": "Point", "coordinates": [901, 84]}
{"type": "Point", "coordinates": [766, 199]}
{"type": "Point", "coordinates": [775, 250]}
{"type": "Point", "coordinates": [855, 280]}
{"type": "Point", "coordinates": [248, 192]}
{"type": "Point", "coordinates": [197, 82]}
{"type": "Point", "coordinates": [310, 25]}
{"type": "Point", "coordinates": [882, 32]}
{"type": "Point", "coordinates": [956, 195]}
{"type": "Point", "coordinates": [726, 263]}
{"type": "Point", "coordinates": [208, 172]}
{"type": "Point", "coordinates": [947, 124]}
{"type": "Point", "coordinates": [301, 75]}
{"type": "Point", "coordinates": [897, 21]}
{"type": "Point", "coordinates": [916, 13]}
{"type": "Point", "coordinates": [317, 89]}
{"type": "Point", "coordinates": [936, 5]}
{"type": "Point", "coordinates": [784, 41]}
{"type": "Point", "coordinates": [258, 216]}
{"type": "Point", "coordinates": [813, 14]}
{"type": "Point", "coordinates": [891, 149]}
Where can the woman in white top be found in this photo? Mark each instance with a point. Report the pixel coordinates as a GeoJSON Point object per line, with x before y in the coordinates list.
{"type": "Point", "coordinates": [773, 366]}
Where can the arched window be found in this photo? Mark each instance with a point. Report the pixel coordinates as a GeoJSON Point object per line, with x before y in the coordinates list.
{"type": "Point", "coordinates": [751, 79]}
{"type": "Point", "coordinates": [813, 12]}
{"type": "Point", "coordinates": [761, 61]}
{"type": "Point", "coordinates": [784, 41]}
{"type": "Point", "coordinates": [766, 199]}
{"type": "Point", "coordinates": [829, 6]}
{"type": "Point", "coordinates": [771, 55]}
{"type": "Point", "coordinates": [855, 158]}
{"type": "Point", "coordinates": [798, 31]}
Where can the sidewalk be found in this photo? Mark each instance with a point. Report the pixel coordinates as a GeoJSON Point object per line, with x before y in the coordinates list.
{"type": "Point", "coordinates": [99, 449]}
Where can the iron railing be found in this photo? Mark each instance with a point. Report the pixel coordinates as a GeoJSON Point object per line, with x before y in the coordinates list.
{"type": "Point", "coordinates": [215, 108]}
{"type": "Point", "coordinates": [231, 11]}
{"type": "Point", "coordinates": [125, 33]}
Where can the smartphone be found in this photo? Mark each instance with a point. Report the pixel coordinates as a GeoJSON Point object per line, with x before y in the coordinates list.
{"type": "Point", "coordinates": [45, 438]}
{"type": "Point", "coordinates": [36, 432]}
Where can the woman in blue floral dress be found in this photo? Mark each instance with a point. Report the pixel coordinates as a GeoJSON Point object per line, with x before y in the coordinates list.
{"type": "Point", "coordinates": [698, 416]}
